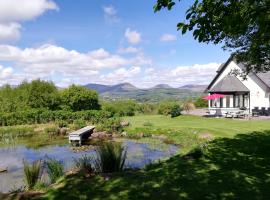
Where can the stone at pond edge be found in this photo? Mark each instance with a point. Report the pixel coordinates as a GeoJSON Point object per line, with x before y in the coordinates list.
{"type": "Point", "coordinates": [124, 123]}
{"type": "Point", "coordinates": [100, 135]}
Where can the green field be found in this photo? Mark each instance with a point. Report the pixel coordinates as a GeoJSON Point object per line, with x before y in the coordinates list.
{"type": "Point", "coordinates": [235, 165]}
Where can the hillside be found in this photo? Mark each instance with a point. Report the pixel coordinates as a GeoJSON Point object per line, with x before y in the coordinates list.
{"type": "Point", "coordinates": [154, 94]}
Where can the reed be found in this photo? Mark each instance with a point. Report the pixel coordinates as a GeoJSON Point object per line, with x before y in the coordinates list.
{"type": "Point", "coordinates": [110, 158]}
{"type": "Point", "coordinates": [32, 173]}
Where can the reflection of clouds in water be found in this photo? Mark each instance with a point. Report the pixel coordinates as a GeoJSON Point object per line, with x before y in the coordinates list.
{"type": "Point", "coordinates": [138, 155]}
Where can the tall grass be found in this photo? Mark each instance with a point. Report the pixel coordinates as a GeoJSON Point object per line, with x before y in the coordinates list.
{"type": "Point", "coordinates": [55, 169]}
{"type": "Point", "coordinates": [32, 172]}
{"type": "Point", "coordinates": [111, 157]}
{"type": "Point", "coordinates": [84, 164]}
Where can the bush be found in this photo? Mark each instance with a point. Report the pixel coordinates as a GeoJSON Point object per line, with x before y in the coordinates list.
{"type": "Point", "coordinates": [52, 131]}
{"type": "Point", "coordinates": [120, 108]}
{"type": "Point", "coordinates": [175, 111]}
{"type": "Point", "coordinates": [34, 116]}
{"type": "Point", "coordinates": [111, 157]}
{"type": "Point", "coordinates": [112, 125]}
{"type": "Point", "coordinates": [84, 164]}
{"type": "Point", "coordinates": [55, 169]}
{"type": "Point", "coordinates": [32, 173]}
{"type": "Point", "coordinates": [188, 106]}
{"type": "Point", "coordinates": [201, 103]}
{"type": "Point", "coordinates": [165, 107]}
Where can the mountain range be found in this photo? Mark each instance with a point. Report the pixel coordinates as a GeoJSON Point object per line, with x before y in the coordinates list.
{"type": "Point", "coordinates": [153, 94]}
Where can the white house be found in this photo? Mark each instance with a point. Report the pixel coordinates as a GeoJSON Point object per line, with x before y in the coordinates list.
{"type": "Point", "coordinates": [252, 93]}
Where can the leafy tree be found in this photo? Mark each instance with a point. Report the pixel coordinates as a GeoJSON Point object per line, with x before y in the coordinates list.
{"type": "Point", "coordinates": [165, 107]}
{"type": "Point", "coordinates": [42, 94]}
{"type": "Point", "coordinates": [201, 103]}
{"type": "Point", "coordinates": [242, 26]}
{"type": "Point", "coordinates": [80, 98]}
{"type": "Point", "coordinates": [176, 111]}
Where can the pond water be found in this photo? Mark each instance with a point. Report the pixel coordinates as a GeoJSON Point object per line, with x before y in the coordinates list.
{"type": "Point", "coordinates": [139, 153]}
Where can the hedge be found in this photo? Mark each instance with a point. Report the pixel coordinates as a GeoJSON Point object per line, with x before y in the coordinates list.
{"type": "Point", "coordinates": [37, 116]}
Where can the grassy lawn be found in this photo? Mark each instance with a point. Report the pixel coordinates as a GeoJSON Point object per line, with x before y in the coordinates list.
{"type": "Point", "coordinates": [235, 165]}
{"type": "Point", "coordinates": [218, 127]}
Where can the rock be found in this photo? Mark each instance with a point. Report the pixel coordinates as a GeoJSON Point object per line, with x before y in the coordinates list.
{"type": "Point", "coordinates": [124, 134]}
{"type": "Point", "coordinates": [63, 131]}
{"type": "Point", "coordinates": [141, 135]}
{"type": "Point", "coordinates": [206, 136]}
{"type": "Point", "coordinates": [124, 123]}
{"type": "Point", "coordinates": [100, 135]}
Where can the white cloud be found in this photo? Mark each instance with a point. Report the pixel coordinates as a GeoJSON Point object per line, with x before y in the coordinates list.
{"type": "Point", "coordinates": [110, 14]}
{"type": "Point", "coordinates": [5, 72]}
{"type": "Point", "coordinates": [133, 36]}
{"type": "Point", "coordinates": [9, 32]}
{"type": "Point", "coordinates": [50, 61]}
{"type": "Point", "coordinates": [13, 11]}
{"type": "Point", "coordinates": [182, 75]}
{"type": "Point", "coordinates": [128, 50]}
{"type": "Point", "coordinates": [168, 38]}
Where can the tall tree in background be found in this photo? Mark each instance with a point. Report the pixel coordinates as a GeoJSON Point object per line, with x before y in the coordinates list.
{"type": "Point", "coordinates": [243, 26]}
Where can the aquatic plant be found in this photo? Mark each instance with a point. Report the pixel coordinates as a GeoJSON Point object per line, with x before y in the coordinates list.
{"type": "Point", "coordinates": [111, 157]}
{"type": "Point", "coordinates": [84, 164]}
{"type": "Point", "coordinates": [55, 169]}
{"type": "Point", "coordinates": [32, 172]}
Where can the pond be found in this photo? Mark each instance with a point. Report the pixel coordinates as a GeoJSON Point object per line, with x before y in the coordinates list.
{"type": "Point", "coordinates": [139, 153]}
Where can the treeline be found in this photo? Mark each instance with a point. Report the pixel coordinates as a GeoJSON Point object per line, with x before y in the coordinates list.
{"type": "Point", "coordinates": [40, 94]}
{"type": "Point", "coordinates": [42, 102]}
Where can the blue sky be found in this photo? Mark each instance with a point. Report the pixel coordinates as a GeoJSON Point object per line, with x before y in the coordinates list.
{"type": "Point", "coordinates": [101, 41]}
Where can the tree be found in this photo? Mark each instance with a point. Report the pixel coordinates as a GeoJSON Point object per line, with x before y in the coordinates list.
{"type": "Point", "coordinates": [201, 103]}
{"type": "Point", "coordinates": [80, 98]}
{"type": "Point", "coordinates": [42, 94]}
{"type": "Point", "coordinates": [243, 26]}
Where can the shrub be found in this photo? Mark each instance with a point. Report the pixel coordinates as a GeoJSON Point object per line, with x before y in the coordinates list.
{"type": "Point", "coordinates": [120, 108]}
{"type": "Point", "coordinates": [111, 157]}
{"type": "Point", "coordinates": [32, 173]}
{"type": "Point", "coordinates": [188, 106]}
{"type": "Point", "coordinates": [165, 107]}
{"type": "Point", "coordinates": [112, 125]}
{"type": "Point", "coordinates": [84, 164]}
{"type": "Point", "coordinates": [201, 103]}
{"type": "Point", "coordinates": [176, 111]}
{"type": "Point", "coordinates": [55, 169]}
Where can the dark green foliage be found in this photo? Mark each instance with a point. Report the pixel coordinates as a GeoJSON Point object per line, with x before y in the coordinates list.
{"type": "Point", "coordinates": [80, 98]}
{"type": "Point", "coordinates": [120, 108]}
{"type": "Point", "coordinates": [111, 157]}
{"type": "Point", "coordinates": [175, 111]}
{"type": "Point", "coordinates": [201, 103]}
{"type": "Point", "coordinates": [55, 169]}
{"type": "Point", "coordinates": [35, 116]}
{"type": "Point", "coordinates": [43, 94]}
{"type": "Point", "coordinates": [242, 26]}
{"type": "Point", "coordinates": [32, 172]}
{"type": "Point", "coordinates": [84, 164]}
{"type": "Point", "coordinates": [166, 107]}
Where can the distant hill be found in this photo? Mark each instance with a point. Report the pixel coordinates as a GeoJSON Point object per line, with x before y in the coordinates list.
{"type": "Point", "coordinates": [162, 86]}
{"type": "Point", "coordinates": [122, 87]}
{"type": "Point", "coordinates": [154, 94]}
{"type": "Point", "coordinates": [197, 88]}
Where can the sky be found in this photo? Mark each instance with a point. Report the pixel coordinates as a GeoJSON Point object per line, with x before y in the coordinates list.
{"type": "Point", "coordinates": [101, 41]}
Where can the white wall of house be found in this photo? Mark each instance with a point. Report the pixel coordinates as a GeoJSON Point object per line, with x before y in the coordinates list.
{"type": "Point", "coordinates": [259, 92]}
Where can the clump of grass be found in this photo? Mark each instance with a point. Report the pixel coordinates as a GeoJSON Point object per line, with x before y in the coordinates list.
{"type": "Point", "coordinates": [32, 172]}
{"type": "Point", "coordinates": [111, 157]}
{"type": "Point", "coordinates": [55, 169]}
{"type": "Point", "coordinates": [147, 123]}
{"type": "Point", "coordinates": [84, 164]}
